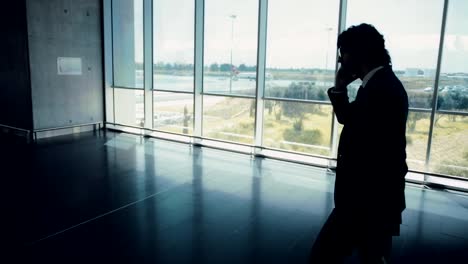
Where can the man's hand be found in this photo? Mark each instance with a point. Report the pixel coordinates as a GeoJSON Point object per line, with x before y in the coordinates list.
{"type": "Point", "coordinates": [342, 79]}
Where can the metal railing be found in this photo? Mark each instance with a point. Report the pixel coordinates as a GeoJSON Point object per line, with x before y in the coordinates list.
{"type": "Point", "coordinates": [35, 131]}
{"type": "Point", "coordinates": [27, 131]}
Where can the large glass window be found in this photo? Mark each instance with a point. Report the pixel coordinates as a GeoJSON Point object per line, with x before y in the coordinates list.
{"type": "Point", "coordinates": [301, 58]}
{"type": "Point", "coordinates": [449, 150]}
{"type": "Point", "coordinates": [300, 67]}
{"type": "Point", "coordinates": [129, 107]}
{"type": "Point", "coordinates": [229, 118]}
{"type": "Point", "coordinates": [230, 47]}
{"type": "Point", "coordinates": [127, 26]}
{"type": "Point", "coordinates": [300, 127]}
{"type": "Point", "coordinates": [173, 112]}
{"type": "Point", "coordinates": [301, 48]}
{"type": "Point", "coordinates": [417, 134]}
{"type": "Point", "coordinates": [173, 44]}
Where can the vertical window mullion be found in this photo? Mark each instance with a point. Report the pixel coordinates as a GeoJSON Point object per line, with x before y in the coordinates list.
{"type": "Point", "coordinates": [261, 62]}
{"type": "Point", "coordinates": [148, 62]}
{"type": "Point", "coordinates": [436, 87]}
{"type": "Point", "coordinates": [198, 64]}
{"type": "Point", "coordinates": [108, 63]}
{"type": "Point", "coordinates": [334, 128]}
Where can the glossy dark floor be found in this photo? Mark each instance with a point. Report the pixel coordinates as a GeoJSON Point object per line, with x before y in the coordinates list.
{"type": "Point", "coordinates": [105, 197]}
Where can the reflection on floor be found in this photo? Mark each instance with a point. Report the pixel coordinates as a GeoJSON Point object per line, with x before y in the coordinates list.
{"type": "Point", "coordinates": [103, 196]}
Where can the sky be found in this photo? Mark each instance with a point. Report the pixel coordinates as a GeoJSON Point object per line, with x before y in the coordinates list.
{"type": "Point", "coordinates": [303, 33]}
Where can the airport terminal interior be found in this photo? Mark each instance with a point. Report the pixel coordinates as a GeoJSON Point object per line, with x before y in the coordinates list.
{"type": "Point", "coordinates": [201, 131]}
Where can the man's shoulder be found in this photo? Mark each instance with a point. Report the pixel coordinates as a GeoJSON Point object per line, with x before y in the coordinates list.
{"type": "Point", "coordinates": [384, 74]}
{"type": "Point", "coordinates": [386, 81]}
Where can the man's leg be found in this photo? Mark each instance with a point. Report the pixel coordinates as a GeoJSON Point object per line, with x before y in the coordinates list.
{"type": "Point", "coordinates": [375, 249]}
{"type": "Point", "coordinates": [333, 243]}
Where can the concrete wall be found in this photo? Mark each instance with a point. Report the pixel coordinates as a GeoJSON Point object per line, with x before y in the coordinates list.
{"type": "Point", "coordinates": [65, 28]}
{"type": "Point", "coordinates": [15, 92]}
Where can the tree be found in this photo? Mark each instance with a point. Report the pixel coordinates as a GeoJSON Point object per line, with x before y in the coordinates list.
{"type": "Point", "coordinates": [159, 66]}
{"type": "Point", "coordinates": [187, 118]}
{"type": "Point", "coordinates": [214, 67]}
{"type": "Point", "coordinates": [168, 66]}
{"type": "Point", "coordinates": [293, 109]}
{"type": "Point", "coordinates": [269, 106]}
{"type": "Point", "coordinates": [297, 91]}
{"type": "Point", "coordinates": [447, 101]}
{"type": "Point", "coordinates": [298, 124]}
{"type": "Point", "coordinates": [321, 95]}
{"type": "Point", "coordinates": [419, 99]}
{"type": "Point", "coordinates": [189, 67]}
{"type": "Point", "coordinates": [296, 111]}
{"type": "Point", "coordinates": [252, 108]}
{"type": "Point", "coordinates": [225, 67]}
{"type": "Point", "coordinates": [413, 117]}
{"type": "Point", "coordinates": [278, 113]}
{"type": "Point", "coordinates": [463, 103]}
{"type": "Point", "coordinates": [242, 67]}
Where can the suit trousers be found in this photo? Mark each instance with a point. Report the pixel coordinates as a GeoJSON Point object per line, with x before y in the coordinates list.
{"type": "Point", "coordinates": [339, 237]}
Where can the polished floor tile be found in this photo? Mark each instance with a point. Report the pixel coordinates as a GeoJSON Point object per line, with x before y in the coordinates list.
{"type": "Point", "coordinates": [105, 196]}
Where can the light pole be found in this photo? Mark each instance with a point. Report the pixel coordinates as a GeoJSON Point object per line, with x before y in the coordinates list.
{"type": "Point", "coordinates": [233, 17]}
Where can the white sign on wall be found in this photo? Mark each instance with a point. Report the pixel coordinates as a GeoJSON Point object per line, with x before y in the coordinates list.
{"type": "Point", "coordinates": [68, 66]}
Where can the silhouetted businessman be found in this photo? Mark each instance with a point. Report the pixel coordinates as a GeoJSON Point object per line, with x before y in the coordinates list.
{"type": "Point", "coordinates": [371, 166]}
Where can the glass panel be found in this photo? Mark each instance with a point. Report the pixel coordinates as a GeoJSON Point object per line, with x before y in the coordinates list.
{"type": "Point", "coordinates": [173, 112]}
{"type": "Point", "coordinates": [449, 150]}
{"type": "Point", "coordinates": [453, 85]}
{"type": "Point", "coordinates": [230, 54]}
{"type": "Point", "coordinates": [301, 127]}
{"type": "Point", "coordinates": [301, 48]}
{"type": "Point", "coordinates": [353, 89]}
{"type": "Point", "coordinates": [228, 118]}
{"type": "Point", "coordinates": [412, 40]}
{"type": "Point", "coordinates": [129, 107]}
{"type": "Point", "coordinates": [127, 33]}
{"type": "Point", "coordinates": [417, 133]}
{"type": "Point", "coordinates": [173, 44]}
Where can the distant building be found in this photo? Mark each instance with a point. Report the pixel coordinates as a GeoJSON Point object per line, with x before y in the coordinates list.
{"type": "Point", "coordinates": [418, 72]}
{"type": "Point", "coordinates": [429, 72]}
{"type": "Point", "coordinates": [412, 72]}
{"type": "Point", "coordinates": [458, 75]}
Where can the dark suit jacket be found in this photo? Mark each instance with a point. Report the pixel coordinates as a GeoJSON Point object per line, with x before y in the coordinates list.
{"type": "Point", "coordinates": [371, 163]}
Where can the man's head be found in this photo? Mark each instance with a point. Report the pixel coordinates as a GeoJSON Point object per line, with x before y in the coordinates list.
{"type": "Point", "coordinates": [362, 47]}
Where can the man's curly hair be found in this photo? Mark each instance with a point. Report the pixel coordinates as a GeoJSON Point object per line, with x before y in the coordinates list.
{"type": "Point", "coordinates": [366, 43]}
